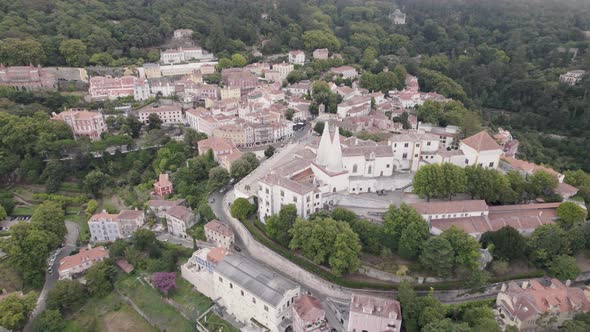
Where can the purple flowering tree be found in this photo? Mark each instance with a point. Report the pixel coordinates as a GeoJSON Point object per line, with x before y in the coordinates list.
{"type": "Point", "coordinates": [164, 281]}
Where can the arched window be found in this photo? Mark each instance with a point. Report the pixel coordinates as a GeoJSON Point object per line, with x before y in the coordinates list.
{"type": "Point", "coordinates": [370, 170]}
{"type": "Point", "coordinates": [354, 168]}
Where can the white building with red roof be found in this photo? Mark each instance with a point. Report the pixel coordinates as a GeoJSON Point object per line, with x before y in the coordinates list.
{"type": "Point", "coordinates": [75, 265]}
{"type": "Point", "coordinates": [528, 304]}
{"type": "Point", "coordinates": [83, 122]}
{"type": "Point", "coordinates": [369, 313]}
{"type": "Point", "coordinates": [163, 186]}
{"type": "Point", "coordinates": [105, 227]}
{"type": "Point", "coordinates": [475, 217]}
{"type": "Point", "coordinates": [179, 219]}
{"type": "Point", "coordinates": [297, 57]}
{"type": "Point", "coordinates": [481, 149]}
{"type": "Point", "coordinates": [169, 113]}
{"type": "Point", "coordinates": [220, 234]}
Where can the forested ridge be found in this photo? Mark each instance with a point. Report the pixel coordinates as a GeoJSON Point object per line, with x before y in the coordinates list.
{"type": "Point", "coordinates": [502, 58]}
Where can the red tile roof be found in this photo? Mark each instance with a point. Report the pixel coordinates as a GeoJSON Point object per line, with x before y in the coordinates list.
{"type": "Point", "coordinates": [450, 207]}
{"type": "Point", "coordinates": [481, 141]}
{"type": "Point", "coordinates": [308, 308]}
{"type": "Point", "coordinates": [218, 227]}
{"type": "Point", "coordinates": [84, 255]}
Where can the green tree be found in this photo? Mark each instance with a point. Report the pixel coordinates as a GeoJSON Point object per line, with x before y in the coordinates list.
{"type": "Point", "coordinates": [241, 209]}
{"type": "Point", "coordinates": [21, 52]}
{"type": "Point", "coordinates": [91, 208]}
{"type": "Point", "coordinates": [225, 63]}
{"type": "Point", "coordinates": [244, 166]}
{"type": "Point", "coordinates": [446, 325]}
{"type": "Point", "coordinates": [154, 121]}
{"type": "Point", "coordinates": [564, 267]}
{"type": "Point", "coordinates": [132, 126]}
{"type": "Point", "coordinates": [313, 39]}
{"type": "Point", "coordinates": [3, 213]}
{"type": "Point", "coordinates": [49, 216]}
{"type": "Point", "coordinates": [412, 238]}
{"type": "Point", "coordinates": [269, 152]}
{"type": "Point", "coordinates": [319, 127]}
{"type": "Point", "coordinates": [487, 184]}
{"type": "Point", "coordinates": [278, 226]}
{"type": "Point", "coordinates": [66, 296]}
{"type": "Point", "coordinates": [238, 60]}
{"type": "Point", "coordinates": [49, 321]}
{"type": "Point", "coordinates": [218, 178]}
{"type": "Point", "coordinates": [95, 181]}
{"type": "Point", "coordinates": [100, 278]}
{"type": "Point", "coordinates": [74, 52]}
{"type": "Point", "coordinates": [325, 240]}
{"type": "Point", "coordinates": [508, 243]}
{"type": "Point", "coordinates": [451, 182]}
{"type": "Point", "coordinates": [101, 59]}
{"type": "Point", "coordinates": [425, 181]}
{"type": "Point", "coordinates": [542, 183]}
{"type": "Point", "coordinates": [14, 310]}
{"type": "Point", "coordinates": [570, 214]}
{"type": "Point", "coordinates": [465, 248]}
{"type": "Point", "coordinates": [548, 241]}
{"type": "Point", "coordinates": [28, 249]}
{"type": "Point", "coordinates": [437, 256]}
{"type": "Point", "coordinates": [397, 220]}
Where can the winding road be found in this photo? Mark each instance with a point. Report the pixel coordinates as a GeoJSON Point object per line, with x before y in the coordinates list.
{"type": "Point", "coordinates": [51, 278]}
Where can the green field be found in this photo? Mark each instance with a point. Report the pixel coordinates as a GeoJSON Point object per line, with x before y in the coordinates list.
{"type": "Point", "coordinates": [107, 314]}
{"type": "Point", "coordinates": [193, 303]}
{"type": "Point", "coordinates": [165, 316]}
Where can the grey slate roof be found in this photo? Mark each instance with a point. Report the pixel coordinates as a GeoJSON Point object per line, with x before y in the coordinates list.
{"type": "Point", "coordinates": [256, 278]}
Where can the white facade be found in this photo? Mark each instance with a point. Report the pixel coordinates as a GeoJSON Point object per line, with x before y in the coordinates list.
{"type": "Point", "coordinates": [572, 77]}
{"type": "Point", "coordinates": [413, 148]}
{"type": "Point", "coordinates": [246, 289]}
{"type": "Point", "coordinates": [174, 56]}
{"type": "Point", "coordinates": [106, 227]}
{"type": "Point", "coordinates": [297, 57]}
{"type": "Point", "coordinates": [169, 114]}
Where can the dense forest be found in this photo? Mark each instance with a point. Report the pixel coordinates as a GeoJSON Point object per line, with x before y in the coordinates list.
{"type": "Point", "coordinates": [500, 58]}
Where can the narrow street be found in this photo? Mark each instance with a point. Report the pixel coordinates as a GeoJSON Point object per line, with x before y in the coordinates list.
{"type": "Point", "coordinates": [51, 279]}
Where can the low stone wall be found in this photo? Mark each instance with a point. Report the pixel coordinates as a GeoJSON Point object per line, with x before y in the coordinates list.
{"type": "Point", "coordinates": [278, 262]}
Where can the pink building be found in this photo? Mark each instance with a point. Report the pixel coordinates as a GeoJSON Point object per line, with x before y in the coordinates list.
{"type": "Point", "coordinates": [74, 265]}
{"type": "Point", "coordinates": [374, 314]}
{"type": "Point", "coordinates": [308, 315]}
{"type": "Point", "coordinates": [29, 78]}
{"type": "Point", "coordinates": [163, 186]}
{"type": "Point", "coordinates": [83, 122]}
{"type": "Point", "coordinates": [107, 87]}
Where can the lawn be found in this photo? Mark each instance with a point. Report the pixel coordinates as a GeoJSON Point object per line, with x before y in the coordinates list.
{"type": "Point", "coordinates": [215, 322]}
{"type": "Point", "coordinates": [107, 314]}
{"type": "Point", "coordinates": [23, 211]}
{"type": "Point", "coordinates": [165, 316]}
{"type": "Point", "coordinates": [192, 302]}
{"type": "Point", "coordinates": [84, 235]}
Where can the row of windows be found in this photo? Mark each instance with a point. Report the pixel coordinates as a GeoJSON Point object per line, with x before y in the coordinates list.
{"type": "Point", "coordinates": [231, 286]}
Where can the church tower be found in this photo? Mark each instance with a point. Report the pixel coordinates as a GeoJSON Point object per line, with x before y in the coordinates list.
{"type": "Point", "coordinates": [335, 156]}
{"type": "Point", "coordinates": [324, 147]}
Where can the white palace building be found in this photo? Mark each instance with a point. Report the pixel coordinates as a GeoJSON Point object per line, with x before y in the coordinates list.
{"type": "Point", "coordinates": [343, 166]}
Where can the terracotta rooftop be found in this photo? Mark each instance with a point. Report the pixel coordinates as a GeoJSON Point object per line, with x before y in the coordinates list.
{"type": "Point", "coordinates": [533, 298]}
{"type": "Point", "coordinates": [84, 255]}
{"type": "Point", "coordinates": [164, 203]}
{"type": "Point", "coordinates": [308, 308]}
{"type": "Point", "coordinates": [529, 167]}
{"type": "Point", "coordinates": [481, 141]}
{"type": "Point", "coordinates": [163, 181]}
{"type": "Point", "coordinates": [450, 207]}
{"type": "Point", "coordinates": [216, 144]}
{"type": "Point", "coordinates": [124, 265]}
{"type": "Point", "coordinates": [78, 115]}
{"type": "Point", "coordinates": [216, 254]}
{"type": "Point", "coordinates": [130, 214]}
{"type": "Point", "coordinates": [220, 228]}
{"type": "Point", "coordinates": [180, 212]}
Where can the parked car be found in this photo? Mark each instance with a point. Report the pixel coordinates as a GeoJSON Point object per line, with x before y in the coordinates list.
{"type": "Point", "coordinates": [237, 248]}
